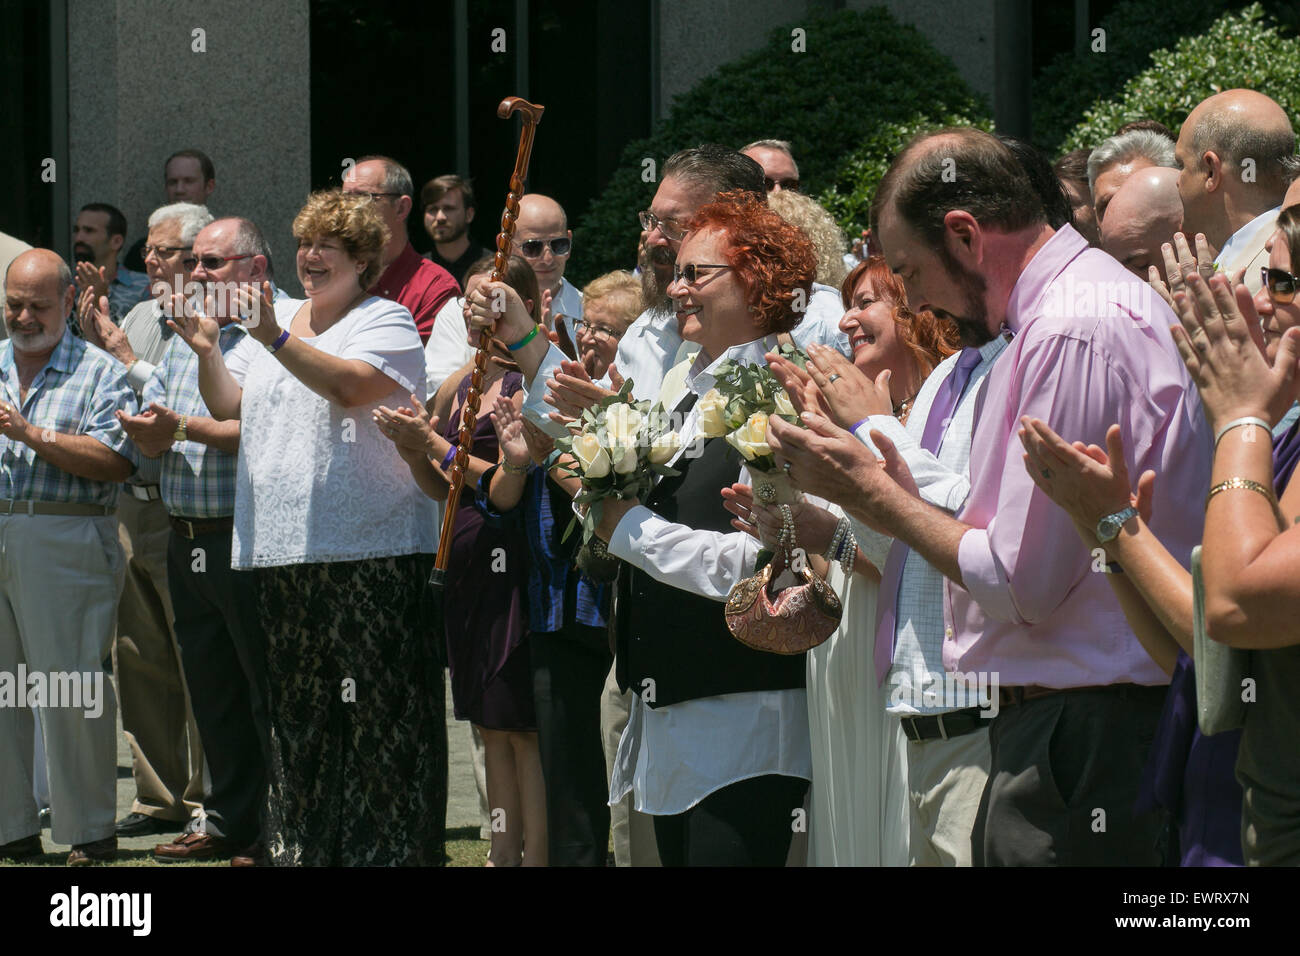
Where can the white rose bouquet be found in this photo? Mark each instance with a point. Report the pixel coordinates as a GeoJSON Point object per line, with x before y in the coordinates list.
{"type": "Point", "coordinates": [738, 408]}
{"type": "Point", "coordinates": [619, 446]}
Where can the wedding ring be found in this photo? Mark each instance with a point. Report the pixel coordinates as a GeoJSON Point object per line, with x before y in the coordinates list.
{"type": "Point", "coordinates": [832, 377]}
{"type": "Point", "coordinates": [786, 468]}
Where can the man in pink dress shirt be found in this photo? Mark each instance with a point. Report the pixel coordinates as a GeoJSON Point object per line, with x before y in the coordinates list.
{"type": "Point", "coordinates": [1025, 600]}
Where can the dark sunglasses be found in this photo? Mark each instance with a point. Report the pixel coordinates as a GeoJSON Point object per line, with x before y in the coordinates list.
{"type": "Point", "coordinates": [791, 184]}
{"type": "Point", "coordinates": [691, 271]}
{"type": "Point", "coordinates": [214, 262]}
{"type": "Point", "coordinates": [532, 248]}
{"type": "Point", "coordinates": [1280, 284]}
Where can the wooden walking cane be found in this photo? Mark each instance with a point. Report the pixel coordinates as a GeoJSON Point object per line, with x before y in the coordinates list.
{"type": "Point", "coordinates": [531, 114]}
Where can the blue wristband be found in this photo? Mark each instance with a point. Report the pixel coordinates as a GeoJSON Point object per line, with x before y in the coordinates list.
{"type": "Point", "coordinates": [279, 343]}
{"type": "Point", "coordinates": [858, 424]}
{"type": "Point", "coordinates": [447, 458]}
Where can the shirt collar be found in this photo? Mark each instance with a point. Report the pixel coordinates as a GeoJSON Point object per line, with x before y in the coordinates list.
{"type": "Point", "coordinates": [1048, 262]}
{"type": "Point", "coordinates": [700, 377]}
{"type": "Point", "coordinates": [1248, 234]}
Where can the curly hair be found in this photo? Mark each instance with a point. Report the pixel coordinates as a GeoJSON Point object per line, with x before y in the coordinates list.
{"type": "Point", "coordinates": [350, 218]}
{"type": "Point", "coordinates": [928, 339]}
{"type": "Point", "coordinates": [819, 226]}
{"type": "Point", "coordinates": [775, 261]}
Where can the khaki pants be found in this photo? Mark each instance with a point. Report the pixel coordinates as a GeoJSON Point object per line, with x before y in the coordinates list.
{"type": "Point", "coordinates": [60, 577]}
{"type": "Point", "coordinates": [633, 832]}
{"type": "Point", "coordinates": [945, 780]}
{"type": "Point", "coordinates": [166, 757]}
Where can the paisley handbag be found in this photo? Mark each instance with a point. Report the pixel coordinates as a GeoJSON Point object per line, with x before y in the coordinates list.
{"type": "Point", "coordinates": [792, 621]}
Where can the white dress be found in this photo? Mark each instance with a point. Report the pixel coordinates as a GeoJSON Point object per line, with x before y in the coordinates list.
{"type": "Point", "coordinates": [858, 802]}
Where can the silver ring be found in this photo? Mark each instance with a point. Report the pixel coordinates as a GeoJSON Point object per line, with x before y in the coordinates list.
{"type": "Point", "coordinates": [786, 467]}
{"type": "Point", "coordinates": [833, 376]}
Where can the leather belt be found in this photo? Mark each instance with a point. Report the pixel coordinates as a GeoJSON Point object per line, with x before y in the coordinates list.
{"type": "Point", "coordinates": [144, 492]}
{"type": "Point", "coordinates": [944, 726]}
{"type": "Point", "coordinates": [8, 506]}
{"type": "Point", "coordinates": [193, 527]}
{"type": "Point", "coordinates": [1011, 696]}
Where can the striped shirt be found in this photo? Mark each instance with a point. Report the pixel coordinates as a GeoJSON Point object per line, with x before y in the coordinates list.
{"type": "Point", "coordinates": [198, 481]}
{"type": "Point", "coordinates": [76, 393]}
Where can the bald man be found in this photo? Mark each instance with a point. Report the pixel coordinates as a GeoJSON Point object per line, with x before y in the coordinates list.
{"type": "Point", "coordinates": [63, 455]}
{"type": "Point", "coordinates": [1145, 212]}
{"type": "Point", "coordinates": [1236, 152]}
{"type": "Point", "coordinates": [780, 171]}
{"type": "Point", "coordinates": [406, 277]}
{"type": "Point", "coordinates": [543, 237]}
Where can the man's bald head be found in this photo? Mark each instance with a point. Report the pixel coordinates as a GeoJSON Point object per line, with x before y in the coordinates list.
{"type": "Point", "coordinates": [1236, 150]}
{"type": "Point", "coordinates": [38, 299]}
{"type": "Point", "coordinates": [541, 226]}
{"type": "Point", "coordinates": [1145, 212]}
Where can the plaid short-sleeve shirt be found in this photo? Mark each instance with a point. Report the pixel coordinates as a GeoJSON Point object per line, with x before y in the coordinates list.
{"type": "Point", "coordinates": [76, 393]}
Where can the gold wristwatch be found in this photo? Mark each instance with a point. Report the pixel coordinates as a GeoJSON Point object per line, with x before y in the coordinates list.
{"type": "Point", "coordinates": [181, 433]}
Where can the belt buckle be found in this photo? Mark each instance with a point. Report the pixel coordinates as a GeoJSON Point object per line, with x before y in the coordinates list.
{"type": "Point", "coordinates": [910, 731]}
{"type": "Point", "coordinates": [189, 527]}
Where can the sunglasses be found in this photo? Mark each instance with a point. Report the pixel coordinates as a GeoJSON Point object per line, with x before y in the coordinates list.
{"type": "Point", "coordinates": [1281, 284]}
{"type": "Point", "coordinates": [532, 248]}
{"type": "Point", "coordinates": [215, 262]}
{"type": "Point", "coordinates": [691, 271]}
{"type": "Point", "coordinates": [791, 184]}
{"type": "Point", "coordinates": [165, 252]}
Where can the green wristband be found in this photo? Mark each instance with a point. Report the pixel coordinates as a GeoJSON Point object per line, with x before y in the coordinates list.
{"type": "Point", "coordinates": [525, 340]}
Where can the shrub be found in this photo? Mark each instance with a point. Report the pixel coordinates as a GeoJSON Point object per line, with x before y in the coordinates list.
{"type": "Point", "coordinates": [864, 84]}
{"type": "Point", "coordinates": [1241, 49]}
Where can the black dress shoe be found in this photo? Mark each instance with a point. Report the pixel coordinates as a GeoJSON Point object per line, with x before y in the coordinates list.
{"type": "Point", "coordinates": [23, 849]}
{"type": "Point", "coordinates": [141, 824]}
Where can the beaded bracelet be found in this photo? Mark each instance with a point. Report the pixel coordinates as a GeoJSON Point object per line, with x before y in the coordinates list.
{"type": "Point", "coordinates": [833, 549]}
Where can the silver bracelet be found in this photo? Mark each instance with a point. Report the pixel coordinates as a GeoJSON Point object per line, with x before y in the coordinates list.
{"type": "Point", "coordinates": [1237, 422]}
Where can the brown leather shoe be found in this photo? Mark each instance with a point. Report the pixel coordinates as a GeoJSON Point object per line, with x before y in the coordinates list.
{"type": "Point", "coordinates": [254, 855]}
{"type": "Point", "coordinates": [194, 846]}
{"type": "Point", "coordinates": [23, 849]}
{"type": "Point", "coordinates": [101, 851]}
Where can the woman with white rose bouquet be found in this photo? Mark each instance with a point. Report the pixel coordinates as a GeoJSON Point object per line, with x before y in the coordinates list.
{"type": "Point", "coordinates": [716, 746]}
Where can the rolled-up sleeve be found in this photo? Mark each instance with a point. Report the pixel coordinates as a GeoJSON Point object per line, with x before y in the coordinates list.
{"type": "Point", "coordinates": [707, 563]}
{"type": "Point", "coordinates": [1028, 558]}
{"type": "Point", "coordinates": [111, 394]}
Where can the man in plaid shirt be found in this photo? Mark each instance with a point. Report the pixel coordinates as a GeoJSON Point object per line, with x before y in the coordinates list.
{"type": "Point", "coordinates": [62, 456]}
{"type": "Point", "coordinates": [217, 626]}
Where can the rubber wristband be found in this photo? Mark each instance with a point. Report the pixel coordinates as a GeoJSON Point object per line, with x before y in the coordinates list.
{"type": "Point", "coordinates": [447, 458]}
{"type": "Point", "coordinates": [279, 343]}
{"type": "Point", "coordinates": [1238, 422]}
{"type": "Point", "coordinates": [525, 340]}
{"type": "Point", "coordinates": [858, 424]}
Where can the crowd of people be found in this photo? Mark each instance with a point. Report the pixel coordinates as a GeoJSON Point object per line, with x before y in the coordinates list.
{"type": "Point", "coordinates": [1033, 391]}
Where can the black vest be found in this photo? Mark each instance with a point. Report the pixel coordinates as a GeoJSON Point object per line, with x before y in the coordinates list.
{"type": "Point", "coordinates": [679, 640]}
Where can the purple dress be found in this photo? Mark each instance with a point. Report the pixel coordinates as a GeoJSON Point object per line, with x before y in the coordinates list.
{"type": "Point", "coordinates": [485, 608]}
{"type": "Point", "coordinates": [1194, 776]}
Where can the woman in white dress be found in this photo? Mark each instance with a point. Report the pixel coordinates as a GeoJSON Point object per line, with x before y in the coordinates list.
{"type": "Point", "coordinates": [858, 800]}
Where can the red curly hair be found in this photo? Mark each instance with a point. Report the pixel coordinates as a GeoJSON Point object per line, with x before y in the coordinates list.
{"type": "Point", "coordinates": [929, 339]}
{"type": "Point", "coordinates": [772, 257]}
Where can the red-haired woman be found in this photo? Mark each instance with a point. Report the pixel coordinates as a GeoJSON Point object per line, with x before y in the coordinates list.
{"type": "Point", "coordinates": [859, 805]}
{"type": "Point", "coordinates": [716, 746]}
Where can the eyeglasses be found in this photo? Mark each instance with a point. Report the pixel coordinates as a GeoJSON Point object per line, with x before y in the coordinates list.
{"type": "Point", "coordinates": [1281, 284]}
{"type": "Point", "coordinates": [691, 271]}
{"type": "Point", "coordinates": [649, 221]}
{"type": "Point", "coordinates": [532, 248]}
{"type": "Point", "coordinates": [791, 184]}
{"type": "Point", "coordinates": [214, 262]}
{"type": "Point", "coordinates": [375, 197]}
{"type": "Point", "coordinates": [605, 330]}
{"type": "Point", "coordinates": [162, 252]}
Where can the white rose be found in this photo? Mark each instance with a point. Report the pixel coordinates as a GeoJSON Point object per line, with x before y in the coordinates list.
{"type": "Point", "coordinates": [784, 406]}
{"type": "Point", "coordinates": [622, 423]}
{"type": "Point", "coordinates": [750, 439]}
{"type": "Point", "coordinates": [625, 458]}
{"type": "Point", "coordinates": [664, 447]}
{"type": "Point", "coordinates": [713, 414]}
{"type": "Point", "coordinates": [591, 456]}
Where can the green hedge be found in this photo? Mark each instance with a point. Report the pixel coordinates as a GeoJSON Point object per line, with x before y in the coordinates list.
{"type": "Point", "coordinates": [864, 85]}
{"type": "Point", "coordinates": [1241, 49]}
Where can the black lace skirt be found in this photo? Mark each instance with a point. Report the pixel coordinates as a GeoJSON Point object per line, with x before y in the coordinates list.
{"type": "Point", "coordinates": [358, 726]}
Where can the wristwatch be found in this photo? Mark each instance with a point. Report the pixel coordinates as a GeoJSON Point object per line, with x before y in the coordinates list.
{"type": "Point", "coordinates": [1108, 527]}
{"type": "Point", "coordinates": [181, 433]}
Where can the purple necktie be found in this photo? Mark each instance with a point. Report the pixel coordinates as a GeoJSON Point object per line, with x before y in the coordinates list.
{"type": "Point", "coordinates": [936, 426]}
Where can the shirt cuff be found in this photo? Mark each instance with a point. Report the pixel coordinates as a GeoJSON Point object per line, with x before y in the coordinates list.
{"type": "Point", "coordinates": [983, 577]}
{"type": "Point", "coordinates": [863, 434]}
{"type": "Point", "coordinates": [138, 375]}
{"type": "Point", "coordinates": [639, 526]}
